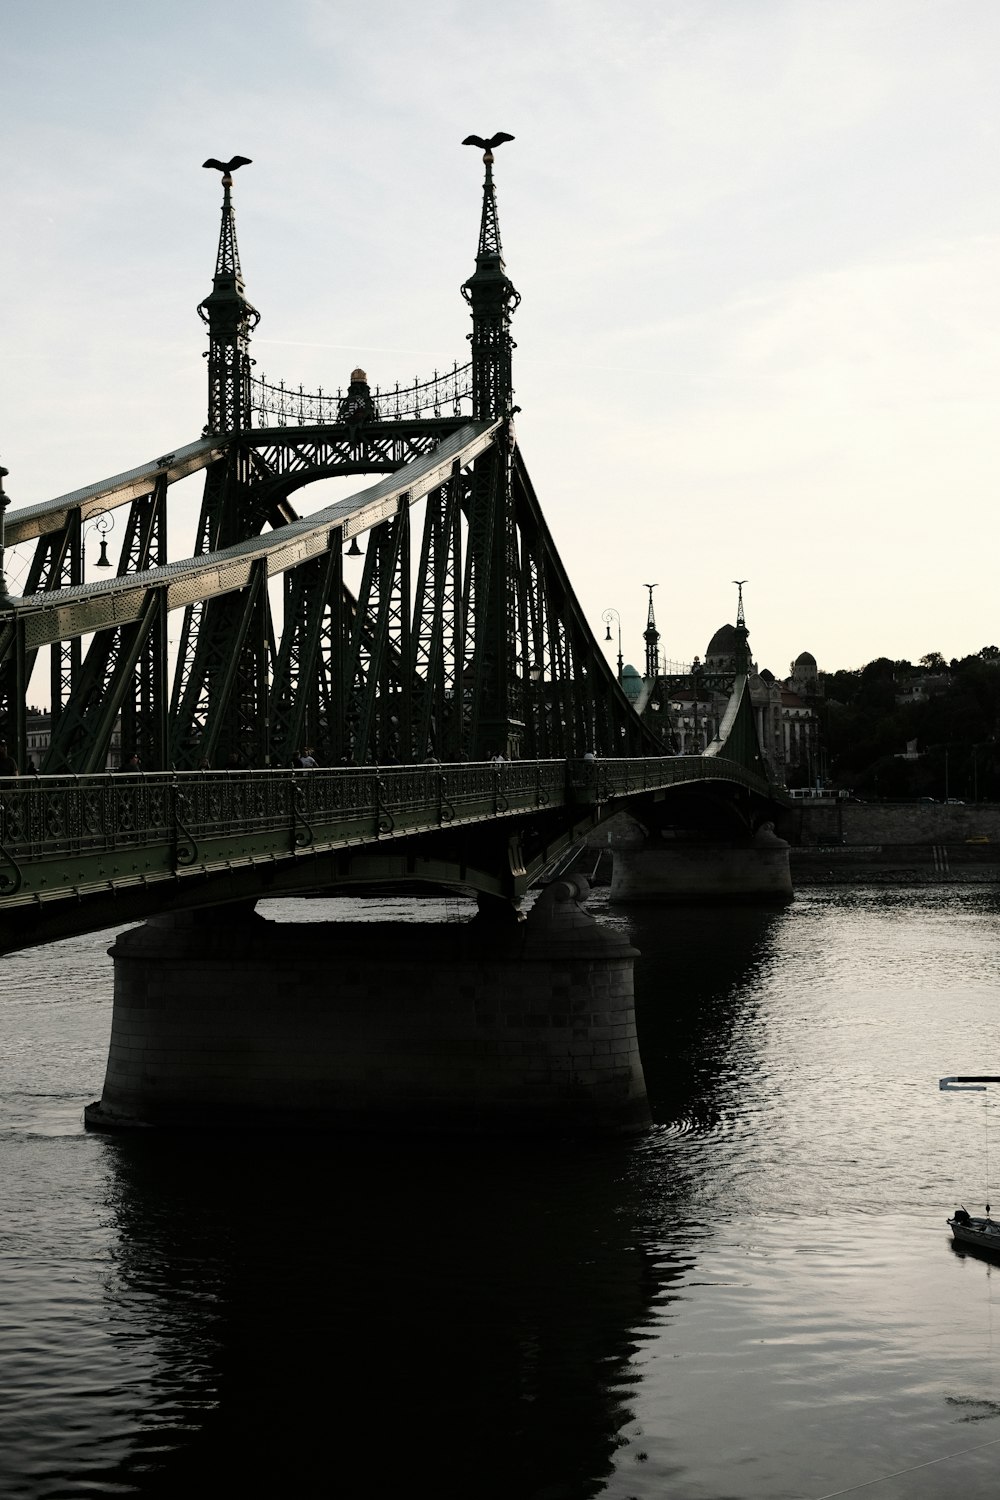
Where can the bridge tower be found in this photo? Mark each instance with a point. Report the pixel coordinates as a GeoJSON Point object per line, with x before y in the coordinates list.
{"type": "Point", "coordinates": [493, 677]}
{"type": "Point", "coordinates": [492, 298]}
{"type": "Point", "coordinates": [652, 638]}
{"type": "Point", "coordinates": [742, 652]}
{"type": "Point", "coordinates": [230, 318]}
{"type": "Point", "coordinates": [219, 707]}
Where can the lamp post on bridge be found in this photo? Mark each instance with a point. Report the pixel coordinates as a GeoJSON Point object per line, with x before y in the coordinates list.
{"type": "Point", "coordinates": [102, 525]}
{"type": "Point", "coordinates": [607, 617]}
{"type": "Point", "coordinates": [536, 709]}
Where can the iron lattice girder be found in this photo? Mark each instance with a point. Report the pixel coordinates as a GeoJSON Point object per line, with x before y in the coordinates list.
{"type": "Point", "coordinates": [82, 734]}
{"type": "Point", "coordinates": [513, 607]}
{"type": "Point", "coordinates": [289, 458]}
{"type": "Point", "coordinates": [335, 449]}
{"type": "Point", "coordinates": [94, 606]}
{"type": "Point", "coordinates": [439, 620]}
{"type": "Point", "coordinates": [738, 739]}
{"type": "Point", "coordinates": [55, 558]}
{"type": "Point", "coordinates": [377, 685]}
{"type": "Point", "coordinates": [30, 521]}
{"type": "Point", "coordinates": [378, 694]}
{"type": "Point", "coordinates": [487, 576]}
{"type": "Point", "coordinates": [225, 706]}
{"type": "Point", "coordinates": [302, 673]}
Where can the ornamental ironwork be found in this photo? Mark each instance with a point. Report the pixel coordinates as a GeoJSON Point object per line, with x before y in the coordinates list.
{"type": "Point", "coordinates": [281, 405]}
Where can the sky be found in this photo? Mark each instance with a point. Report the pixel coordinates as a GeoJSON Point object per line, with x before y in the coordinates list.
{"type": "Point", "coordinates": [756, 243]}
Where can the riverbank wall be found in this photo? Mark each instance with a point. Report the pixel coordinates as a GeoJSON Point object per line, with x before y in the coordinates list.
{"type": "Point", "coordinates": [914, 843]}
{"type": "Point", "coordinates": [862, 843]}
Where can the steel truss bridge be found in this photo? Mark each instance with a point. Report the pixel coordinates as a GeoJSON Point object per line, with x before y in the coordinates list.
{"type": "Point", "coordinates": [464, 640]}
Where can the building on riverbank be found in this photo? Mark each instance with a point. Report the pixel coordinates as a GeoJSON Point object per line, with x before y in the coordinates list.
{"type": "Point", "coordinates": [686, 703]}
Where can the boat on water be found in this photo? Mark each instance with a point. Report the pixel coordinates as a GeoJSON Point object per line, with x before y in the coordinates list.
{"type": "Point", "coordinates": [968, 1229]}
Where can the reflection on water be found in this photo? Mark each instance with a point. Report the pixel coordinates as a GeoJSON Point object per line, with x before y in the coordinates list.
{"type": "Point", "coordinates": [756, 1300]}
{"type": "Point", "coordinates": [366, 1317]}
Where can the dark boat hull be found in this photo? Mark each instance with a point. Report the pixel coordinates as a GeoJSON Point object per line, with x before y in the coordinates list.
{"type": "Point", "coordinates": [983, 1233]}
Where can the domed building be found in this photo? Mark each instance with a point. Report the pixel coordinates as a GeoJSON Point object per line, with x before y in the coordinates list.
{"type": "Point", "coordinates": [686, 705]}
{"type": "Point", "coordinates": [804, 672]}
{"type": "Point", "coordinates": [784, 712]}
{"type": "Point", "coordinates": [723, 650]}
{"type": "Point", "coordinates": [631, 683]}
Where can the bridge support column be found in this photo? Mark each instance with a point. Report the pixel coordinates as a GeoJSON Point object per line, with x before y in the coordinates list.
{"type": "Point", "coordinates": [678, 870]}
{"type": "Point", "coordinates": [475, 1028]}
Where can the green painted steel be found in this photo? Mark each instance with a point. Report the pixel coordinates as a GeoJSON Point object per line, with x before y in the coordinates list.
{"type": "Point", "coordinates": [738, 740]}
{"type": "Point", "coordinates": [63, 839]}
{"type": "Point", "coordinates": [481, 647]}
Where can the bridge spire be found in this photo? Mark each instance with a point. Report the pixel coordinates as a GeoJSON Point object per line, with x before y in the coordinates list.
{"type": "Point", "coordinates": [230, 318]}
{"type": "Point", "coordinates": [492, 298]}
{"type": "Point", "coordinates": [651, 636]}
{"type": "Point", "coordinates": [742, 633]}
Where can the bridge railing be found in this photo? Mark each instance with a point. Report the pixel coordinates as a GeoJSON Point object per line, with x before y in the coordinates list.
{"type": "Point", "coordinates": [280, 405]}
{"type": "Point", "coordinates": [64, 836]}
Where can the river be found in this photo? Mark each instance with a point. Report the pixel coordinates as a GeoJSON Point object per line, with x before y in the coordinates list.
{"type": "Point", "coordinates": [757, 1300]}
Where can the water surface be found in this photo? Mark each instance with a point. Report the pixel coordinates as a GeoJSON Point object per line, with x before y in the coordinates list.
{"type": "Point", "coordinates": [757, 1300]}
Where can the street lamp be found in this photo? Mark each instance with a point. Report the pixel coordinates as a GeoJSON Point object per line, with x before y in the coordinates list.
{"type": "Point", "coordinates": [102, 525]}
{"type": "Point", "coordinates": [537, 738]}
{"type": "Point", "coordinates": [607, 617]}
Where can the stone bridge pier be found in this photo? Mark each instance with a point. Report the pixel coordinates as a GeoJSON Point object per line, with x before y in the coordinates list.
{"type": "Point", "coordinates": [223, 1018]}
{"type": "Point", "coordinates": [673, 866]}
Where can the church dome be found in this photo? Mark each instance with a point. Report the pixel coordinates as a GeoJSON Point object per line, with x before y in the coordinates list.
{"type": "Point", "coordinates": [723, 642]}
{"type": "Point", "coordinates": [805, 659]}
{"type": "Point", "coordinates": [631, 682]}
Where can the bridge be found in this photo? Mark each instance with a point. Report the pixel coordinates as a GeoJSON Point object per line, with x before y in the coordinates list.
{"type": "Point", "coordinates": [463, 643]}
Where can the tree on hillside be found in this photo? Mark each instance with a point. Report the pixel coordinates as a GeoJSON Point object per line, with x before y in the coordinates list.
{"type": "Point", "coordinates": [866, 731]}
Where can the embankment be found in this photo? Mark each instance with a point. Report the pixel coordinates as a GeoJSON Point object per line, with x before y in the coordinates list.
{"type": "Point", "coordinates": [895, 843]}
{"type": "Point", "coordinates": [862, 843]}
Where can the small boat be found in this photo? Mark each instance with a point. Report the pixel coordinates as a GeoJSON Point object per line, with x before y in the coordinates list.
{"type": "Point", "coordinates": [967, 1229]}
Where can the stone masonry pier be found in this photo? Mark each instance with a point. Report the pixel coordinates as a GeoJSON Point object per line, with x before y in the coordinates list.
{"type": "Point", "coordinates": [225, 1019]}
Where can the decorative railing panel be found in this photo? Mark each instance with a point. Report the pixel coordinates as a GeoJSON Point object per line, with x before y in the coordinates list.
{"type": "Point", "coordinates": [281, 405]}
{"type": "Point", "coordinates": [65, 837]}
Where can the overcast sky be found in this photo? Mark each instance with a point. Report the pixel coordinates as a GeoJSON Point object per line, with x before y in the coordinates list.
{"type": "Point", "coordinates": [756, 241]}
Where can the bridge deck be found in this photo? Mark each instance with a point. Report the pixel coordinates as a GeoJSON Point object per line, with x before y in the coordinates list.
{"type": "Point", "coordinates": [63, 838]}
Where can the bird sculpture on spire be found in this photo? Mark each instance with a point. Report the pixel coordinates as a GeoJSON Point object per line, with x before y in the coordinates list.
{"type": "Point", "coordinates": [227, 168]}
{"type": "Point", "coordinates": [488, 146]}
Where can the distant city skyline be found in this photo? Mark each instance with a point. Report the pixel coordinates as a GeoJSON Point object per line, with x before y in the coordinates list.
{"type": "Point", "coordinates": [756, 246]}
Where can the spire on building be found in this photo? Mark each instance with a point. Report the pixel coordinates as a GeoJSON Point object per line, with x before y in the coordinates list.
{"type": "Point", "coordinates": [230, 318]}
{"type": "Point", "coordinates": [492, 299]}
{"type": "Point", "coordinates": [651, 636]}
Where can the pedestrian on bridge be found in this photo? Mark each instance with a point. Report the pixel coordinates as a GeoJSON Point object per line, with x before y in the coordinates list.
{"type": "Point", "coordinates": [8, 765]}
